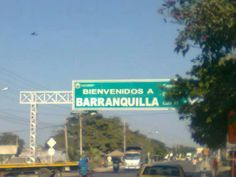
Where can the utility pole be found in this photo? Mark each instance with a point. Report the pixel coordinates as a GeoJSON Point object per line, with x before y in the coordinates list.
{"type": "Point", "coordinates": [81, 135]}
{"type": "Point", "coordinates": [66, 140]}
{"type": "Point", "coordinates": [124, 133]}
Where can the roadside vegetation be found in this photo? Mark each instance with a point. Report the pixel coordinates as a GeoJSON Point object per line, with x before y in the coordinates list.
{"type": "Point", "coordinates": [7, 139]}
{"type": "Point", "coordinates": [102, 135]}
{"type": "Point", "coordinates": [209, 29]}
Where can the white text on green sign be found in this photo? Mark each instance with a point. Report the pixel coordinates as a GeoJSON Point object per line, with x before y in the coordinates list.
{"type": "Point", "coordinates": [121, 94]}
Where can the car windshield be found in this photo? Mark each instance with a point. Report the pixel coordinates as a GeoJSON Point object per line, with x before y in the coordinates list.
{"type": "Point", "coordinates": [161, 170]}
{"type": "Point", "coordinates": [132, 156]}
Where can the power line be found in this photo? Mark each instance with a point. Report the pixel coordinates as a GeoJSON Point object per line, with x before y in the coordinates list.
{"type": "Point", "coordinates": [144, 114]}
{"type": "Point", "coordinates": [9, 119]}
{"type": "Point", "coordinates": [12, 117]}
{"type": "Point", "coordinates": [66, 115]}
{"type": "Point", "coordinates": [24, 81]}
{"type": "Point", "coordinates": [9, 98]}
{"type": "Point", "coordinates": [25, 130]}
{"type": "Point", "coordinates": [20, 78]}
{"type": "Point", "coordinates": [41, 112]}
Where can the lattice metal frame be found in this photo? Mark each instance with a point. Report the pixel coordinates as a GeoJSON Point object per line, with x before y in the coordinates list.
{"type": "Point", "coordinates": [33, 131]}
{"type": "Point", "coordinates": [46, 97]}
{"type": "Point", "coordinates": [41, 97]}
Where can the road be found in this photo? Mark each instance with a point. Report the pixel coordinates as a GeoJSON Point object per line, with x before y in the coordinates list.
{"type": "Point", "coordinates": [110, 174]}
{"type": "Point", "coordinates": [190, 170]}
{"type": "Point", "coordinates": [121, 174]}
{"type": "Point", "coordinates": [187, 166]}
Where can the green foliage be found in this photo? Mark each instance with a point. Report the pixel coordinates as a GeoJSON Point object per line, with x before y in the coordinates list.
{"type": "Point", "coordinates": [179, 149]}
{"type": "Point", "coordinates": [210, 25]}
{"type": "Point", "coordinates": [214, 96]}
{"type": "Point", "coordinates": [102, 135]}
{"type": "Point", "coordinates": [12, 139]}
{"type": "Point", "coordinates": [211, 83]}
{"type": "Point", "coordinates": [155, 147]}
{"type": "Point", "coordinates": [96, 158]}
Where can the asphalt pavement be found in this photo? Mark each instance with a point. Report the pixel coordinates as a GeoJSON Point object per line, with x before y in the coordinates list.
{"type": "Point", "coordinates": [122, 173]}
{"type": "Point", "coordinates": [107, 172]}
{"type": "Point", "coordinates": [190, 170]}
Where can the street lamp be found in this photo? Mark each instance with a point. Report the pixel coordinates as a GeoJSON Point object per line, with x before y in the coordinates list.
{"type": "Point", "coordinates": [66, 140]}
{"type": "Point", "coordinates": [4, 88]}
{"type": "Point", "coordinates": [151, 133]}
{"type": "Point", "coordinates": [81, 134]}
{"type": "Point", "coordinates": [80, 116]}
{"type": "Point", "coordinates": [81, 129]}
{"type": "Point", "coordinates": [124, 136]}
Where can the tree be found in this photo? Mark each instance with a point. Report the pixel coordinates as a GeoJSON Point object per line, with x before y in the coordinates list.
{"type": "Point", "coordinates": [9, 138]}
{"type": "Point", "coordinates": [210, 85]}
{"type": "Point", "coordinates": [152, 146]}
{"type": "Point", "coordinates": [102, 135]}
{"type": "Point", "coordinates": [209, 25]}
{"type": "Point", "coordinates": [183, 150]}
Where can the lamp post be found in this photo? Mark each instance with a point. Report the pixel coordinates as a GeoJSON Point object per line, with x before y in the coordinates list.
{"type": "Point", "coordinates": [66, 140]}
{"type": "Point", "coordinates": [124, 133]}
{"type": "Point", "coordinates": [80, 116]}
{"type": "Point", "coordinates": [4, 88]}
{"type": "Point", "coordinates": [151, 133]}
{"type": "Point", "coordinates": [81, 135]}
{"type": "Point", "coordinates": [81, 128]}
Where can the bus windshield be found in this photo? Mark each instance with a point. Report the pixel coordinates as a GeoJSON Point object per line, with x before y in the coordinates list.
{"type": "Point", "coordinates": [132, 156]}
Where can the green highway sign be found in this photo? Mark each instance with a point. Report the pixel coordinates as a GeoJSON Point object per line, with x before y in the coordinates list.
{"type": "Point", "coordinates": [121, 95]}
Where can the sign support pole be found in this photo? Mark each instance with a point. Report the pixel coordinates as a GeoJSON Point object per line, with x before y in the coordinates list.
{"type": "Point", "coordinates": [34, 98]}
{"type": "Point", "coordinates": [124, 132]}
{"type": "Point", "coordinates": [140, 95]}
{"type": "Point", "coordinates": [33, 132]}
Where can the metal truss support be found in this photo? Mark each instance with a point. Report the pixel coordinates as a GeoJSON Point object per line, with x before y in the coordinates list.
{"type": "Point", "coordinates": [46, 97]}
{"type": "Point", "coordinates": [33, 132]}
{"type": "Point", "coordinates": [41, 97]}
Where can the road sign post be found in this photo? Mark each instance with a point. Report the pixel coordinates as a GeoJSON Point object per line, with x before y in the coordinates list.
{"type": "Point", "coordinates": [101, 95]}
{"type": "Point", "coordinates": [121, 95]}
{"type": "Point", "coordinates": [51, 151]}
{"type": "Point", "coordinates": [51, 142]}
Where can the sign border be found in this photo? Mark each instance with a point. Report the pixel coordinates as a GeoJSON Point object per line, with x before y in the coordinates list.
{"type": "Point", "coordinates": [116, 81]}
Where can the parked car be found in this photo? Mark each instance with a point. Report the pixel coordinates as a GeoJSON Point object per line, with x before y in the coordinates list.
{"type": "Point", "coordinates": [161, 170]}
